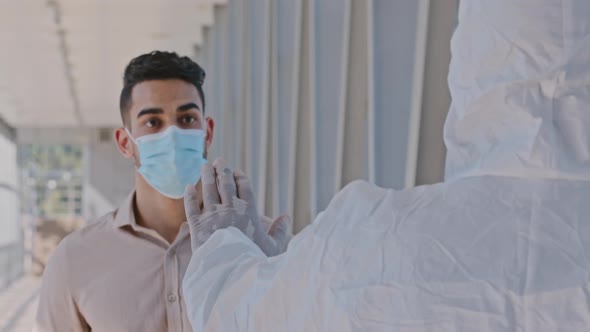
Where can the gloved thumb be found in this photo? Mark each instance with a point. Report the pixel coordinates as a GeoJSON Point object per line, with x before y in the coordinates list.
{"type": "Point", "coordinates": [280, 229]}
{"type": "Point", "coordinates": [191, 205]}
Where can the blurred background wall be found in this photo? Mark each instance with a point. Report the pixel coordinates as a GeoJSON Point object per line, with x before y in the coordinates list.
{"type": "Point", "coordinates": [307, 95]}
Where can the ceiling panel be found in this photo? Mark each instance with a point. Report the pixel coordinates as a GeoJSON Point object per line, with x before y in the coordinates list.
{"type": "Point", "coordinates": [105, 35]}
{"type": "Point", "coordinates": [73, 78]}
{"type": "Point", "coordinates": [32, 67]}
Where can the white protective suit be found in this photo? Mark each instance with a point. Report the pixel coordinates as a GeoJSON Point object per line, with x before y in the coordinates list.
{"type": "Point", "coordinates": [502, 245]}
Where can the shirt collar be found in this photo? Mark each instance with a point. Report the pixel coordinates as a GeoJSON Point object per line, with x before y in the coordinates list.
{"type": "Point", "coordinates": [125, 215]}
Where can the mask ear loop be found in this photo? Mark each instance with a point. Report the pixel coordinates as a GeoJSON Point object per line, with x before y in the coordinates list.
{"type": "Point", "coordinates": [132, 140]}
{"type": "Point", "coordinates": [130, 136]}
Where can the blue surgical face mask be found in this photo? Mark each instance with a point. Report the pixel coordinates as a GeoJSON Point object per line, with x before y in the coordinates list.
{"type": "Point", "coordinates": [172, 159]}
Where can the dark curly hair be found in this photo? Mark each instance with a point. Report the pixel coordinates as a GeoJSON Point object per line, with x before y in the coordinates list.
{"type": "Point", "coordinates": [159, 65]}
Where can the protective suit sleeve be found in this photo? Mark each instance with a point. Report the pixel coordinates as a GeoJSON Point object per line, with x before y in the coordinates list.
{"type": "Point", "coordinates": [232, 285]}
{"type": "Point", "coordinates": [221, 274]}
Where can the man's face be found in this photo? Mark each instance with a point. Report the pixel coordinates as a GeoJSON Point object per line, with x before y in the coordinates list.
{"type": "Point", "coordinates": [159, 104]}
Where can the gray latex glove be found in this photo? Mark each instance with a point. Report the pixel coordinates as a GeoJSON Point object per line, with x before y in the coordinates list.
{"type": "Point", "coordinates": [228, 201]}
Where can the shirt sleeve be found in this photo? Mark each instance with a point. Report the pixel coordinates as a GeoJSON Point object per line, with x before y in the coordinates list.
{"type": "Point", "coordinates": [57, 310]}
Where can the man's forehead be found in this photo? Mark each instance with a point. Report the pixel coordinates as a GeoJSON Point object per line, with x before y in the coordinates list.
{"type": "Point", "coordinates": [164, 93]}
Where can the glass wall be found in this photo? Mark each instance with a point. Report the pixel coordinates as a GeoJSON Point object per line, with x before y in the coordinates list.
{"type": "Point", "coordinates": [52, 197]}
{"type": "Point", "coordinates": [11, 235]}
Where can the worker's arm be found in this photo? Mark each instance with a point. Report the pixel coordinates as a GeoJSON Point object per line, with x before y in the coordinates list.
{"type": "Point", "coordinates": [227, 262]}
{"type": "Point", "coordinates": [229, 206]}
{"type": "Point", "coordinates": [57, 311]}
{"type": "Point", "coordinates": [232, 285]}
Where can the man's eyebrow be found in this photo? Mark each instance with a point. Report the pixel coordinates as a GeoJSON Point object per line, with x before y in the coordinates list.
{"type": "Point", "coordinates": [187, 107]}
{"type": "Point", "coordinates": [149, 111]}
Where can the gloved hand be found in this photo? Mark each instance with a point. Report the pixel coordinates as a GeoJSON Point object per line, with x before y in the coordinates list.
{"type": "Point", "coordinates": [228, 201]}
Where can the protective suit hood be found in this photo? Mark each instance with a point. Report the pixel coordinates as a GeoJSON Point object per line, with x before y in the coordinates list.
{"type": "Point", "coordinates": [520, 80]}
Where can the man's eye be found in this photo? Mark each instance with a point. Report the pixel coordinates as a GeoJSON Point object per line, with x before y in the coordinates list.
{"type": "Point", "coordinates": [187, 119]}
{"type": "Point", "coordinates": [151, 123]}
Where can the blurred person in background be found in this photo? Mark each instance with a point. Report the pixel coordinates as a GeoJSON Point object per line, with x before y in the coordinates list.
{"type": "Point", "coordinates": [124, 271]}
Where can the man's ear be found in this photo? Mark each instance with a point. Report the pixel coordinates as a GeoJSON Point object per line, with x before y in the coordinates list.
{"type": "Point", "coordinates": [124, 143]}
{"type": "Point", "coordinates": [210, 130]}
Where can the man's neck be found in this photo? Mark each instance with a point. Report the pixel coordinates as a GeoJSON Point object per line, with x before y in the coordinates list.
{"type": "Point", "coordinates": [157, 212]}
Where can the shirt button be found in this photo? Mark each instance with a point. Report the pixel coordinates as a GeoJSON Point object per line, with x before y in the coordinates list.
{"type": "Point", "coordinates": [171, 252]}
{"type": "Point", "coordinates": [171, 298]}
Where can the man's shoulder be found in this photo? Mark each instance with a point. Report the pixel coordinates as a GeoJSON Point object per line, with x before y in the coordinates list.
{"type": "Point", "coordinates": [95, 232]}
{"type": "Point", "coordinates": [96, 228]}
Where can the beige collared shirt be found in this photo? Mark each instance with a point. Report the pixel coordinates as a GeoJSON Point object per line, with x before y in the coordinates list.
{"type": "Point", "coordinates": [115, 275]}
